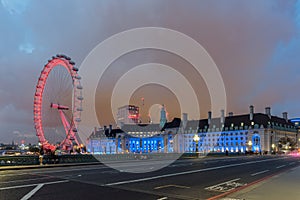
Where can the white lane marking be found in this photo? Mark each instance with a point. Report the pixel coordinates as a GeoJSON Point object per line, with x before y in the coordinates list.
{"type": "Point", "coordinates": [176, 186]}
{"type": "Point", "coordinates": [178, 165]}
{"type": "Point", "coordinates": [261, 172]}
{"type": "Point", "coordinates": [30, 185]}
{"type": "Point", "coordinates": [188, 172]}
{"type": "Point", "coordinates": [280, 166]}
{"type": "Point", "coordinates": [292, 163]}
{"type": "Point", "coordinates": [4, 175]}
{"type": "Point", "coordinates": [25, 180]}
{"type": "Point", "coordinates": [226, 186]}
{"type": "Point", "coordinates": [32, 192]}
{"type": "Point", "coordinates": [163, 198]}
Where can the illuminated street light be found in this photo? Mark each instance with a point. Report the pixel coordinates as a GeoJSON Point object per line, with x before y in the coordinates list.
{"type": "Point", "coordinates": [273, 148]}
{"type": "Point", "coordinates": [249, 145]}
{"type": "Point", "coordinates": [196, 139]}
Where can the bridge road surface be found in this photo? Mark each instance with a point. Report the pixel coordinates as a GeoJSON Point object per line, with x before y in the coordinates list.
{"type": "Point", "coordinates": [183, 179]}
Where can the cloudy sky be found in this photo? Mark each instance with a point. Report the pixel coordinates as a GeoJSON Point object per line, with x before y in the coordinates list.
{"type": "Point", "coordinates": [255, 45]}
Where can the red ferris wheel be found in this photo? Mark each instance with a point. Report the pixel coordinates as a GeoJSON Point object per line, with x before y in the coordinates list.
{"type": "Point", "coordinates": [58, 104]}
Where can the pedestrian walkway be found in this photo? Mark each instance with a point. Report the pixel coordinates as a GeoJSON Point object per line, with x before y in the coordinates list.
{"type": "Point", "coordinates": [282, 186]}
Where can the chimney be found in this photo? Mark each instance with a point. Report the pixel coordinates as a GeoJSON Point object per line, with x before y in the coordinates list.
{"type": "Point", "coordinates": [251, 112]}
{"type": "Point", "coordinates": [268, 111]}
{"type": "Point", "coordinates": [184, 119]}
{"type": "Point", "coordinates": [230, 114]}
{"type": "Point", "coordinates": [222, 116]}
{"type": "Point", "coordinates": [285, 116]}
{"type": "Point", "coordinates": [209, 117]}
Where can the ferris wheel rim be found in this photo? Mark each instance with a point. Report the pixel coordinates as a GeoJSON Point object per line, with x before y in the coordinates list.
{"type": "Point", "coordinates": [68, 64]}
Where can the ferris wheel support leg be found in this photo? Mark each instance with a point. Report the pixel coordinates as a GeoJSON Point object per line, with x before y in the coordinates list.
{"type": "Point", "coordinates": [67, 127]}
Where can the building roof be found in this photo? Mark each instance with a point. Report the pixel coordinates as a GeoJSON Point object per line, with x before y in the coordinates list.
{"type": "Point", "coordinates": [236, 122]}
{"type": "Point", "coordinates": [259, 119]}
{"type": "Point", "coordinates": [175, 123]}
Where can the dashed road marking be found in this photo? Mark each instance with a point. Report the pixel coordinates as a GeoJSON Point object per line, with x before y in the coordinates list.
{"type": "Point", "coordinates": [292, 163]}
{"type": "Point", "coordinates": [189, 172]}
{"type": "Point", "coordinates": [261, 172]}
{"type": "Point", "coordinates": [163, 198]}
{"type": "Point", "coordinates": [4, 175]}
{"type": "Point", "coordinates": [25, 180]}
{"type": "Point", "coordinates": [166, 186]}
{"type": "Point", "coordinates": [280, 166]}
{"type": "Point", "coordinates": [178, 165]}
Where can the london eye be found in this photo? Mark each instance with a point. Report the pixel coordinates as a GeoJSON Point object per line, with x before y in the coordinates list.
{"type": "Point", "coordinates": [58, 104]}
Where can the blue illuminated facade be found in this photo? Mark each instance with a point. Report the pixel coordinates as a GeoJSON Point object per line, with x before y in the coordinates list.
{"type": "Point", "coordinates": [254, 132]}
{"type": "Point", "coordinates": [144, 145]}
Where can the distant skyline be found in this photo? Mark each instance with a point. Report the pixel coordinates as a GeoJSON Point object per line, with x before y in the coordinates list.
{"type": "Point", "coordinates": [255, 45]}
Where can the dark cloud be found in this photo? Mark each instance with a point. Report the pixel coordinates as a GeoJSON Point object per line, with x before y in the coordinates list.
{"type": "Point", "coordinates": [254, 44]}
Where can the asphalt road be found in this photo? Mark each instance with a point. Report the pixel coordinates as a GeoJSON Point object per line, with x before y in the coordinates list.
{"type": "Point", "coordinates": [183, 179]}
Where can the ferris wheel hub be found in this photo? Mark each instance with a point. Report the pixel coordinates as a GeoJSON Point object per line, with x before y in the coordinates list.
{"type": "Point", "coordinates": [59, 107]}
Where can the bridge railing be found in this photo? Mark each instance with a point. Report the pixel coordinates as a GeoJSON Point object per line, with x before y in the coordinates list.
{"type": "Point", "coordinates": [87, 158]}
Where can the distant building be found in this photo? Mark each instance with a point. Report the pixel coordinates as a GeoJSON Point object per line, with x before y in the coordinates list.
{"type": "Point", "coordinates": [257, 132]}
{"type": "Point", "coordinates": [128, 114]}
{"type": "Point", "coordinates": [252, 132]}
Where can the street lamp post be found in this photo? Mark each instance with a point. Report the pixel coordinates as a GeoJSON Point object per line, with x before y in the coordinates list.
{"type": "Point", "coordinates": [250, 145]}
{"type": "Point", "coordinates": [196, 139]}
{"type": "Point", "coordinates": [273, 148]}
